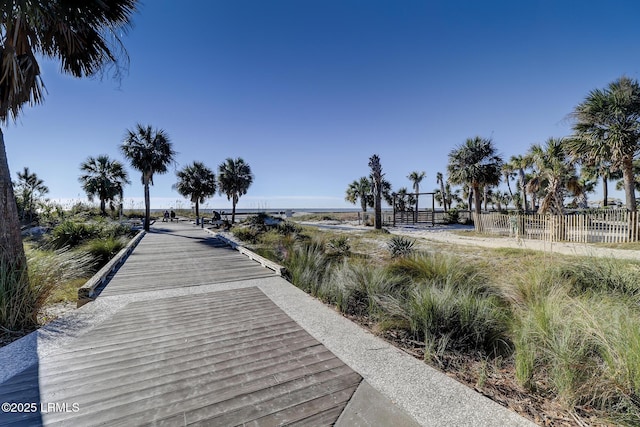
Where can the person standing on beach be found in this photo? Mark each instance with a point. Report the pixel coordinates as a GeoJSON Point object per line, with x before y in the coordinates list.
{"type": "Point", "coordinates": [173, 215]}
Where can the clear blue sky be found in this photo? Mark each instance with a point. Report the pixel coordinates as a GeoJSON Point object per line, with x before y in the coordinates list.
{"type": "Point", "coordinates": [307, 90]}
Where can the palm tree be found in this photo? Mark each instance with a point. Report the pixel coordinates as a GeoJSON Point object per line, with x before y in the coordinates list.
{"type": "Point", "coordinates": [508, 172]}
{"type": "Point", "coordinates": [601, 170]}
{"type": "Point", "coordinates": [519, 164]}
{"type": "Point", "coordinates": [360, 190]}
{"type": "Point", "coordinates": [103, 178]}
{"type": "Point", "coordinates": [555, 174]}
{"type": "Point", "coordinates": [84, 39]}
{"type": "Point", "coordinates": [443, 194]}
{"type": "Point", "coordinates": [403, 201]}
{"type": "Point", "coordinates": [607, 126]}
{"type": "Point", "coordinates": [150, 151]}
{"type": "Point", "coordinates": [29, 187]}
{"type": "Point", "coordinates": [376, 177]}
{"type": "Point", "coordinates": [197, 182]}
{"type": "Point", "coordinates": [235, 178]}
{"type": "Point", "coordinates": [475, 163]}
{"type": "Point", "coordinates": [416, 177]}
{"type": "Point", "coordinates": [588, 185]}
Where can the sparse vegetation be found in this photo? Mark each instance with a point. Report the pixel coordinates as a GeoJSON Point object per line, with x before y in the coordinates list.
{"type": "Point", "coordinates": [400, 246]}
{"type": "Point", "coordinates": [79, 243]}
{"type": "Point", "coordinates": [564, 330]}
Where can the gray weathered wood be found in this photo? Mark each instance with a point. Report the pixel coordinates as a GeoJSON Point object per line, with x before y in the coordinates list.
{"type": "Point", "coordinates": [228, 357]}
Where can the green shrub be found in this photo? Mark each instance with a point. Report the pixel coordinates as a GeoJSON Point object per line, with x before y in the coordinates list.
{"type": "Point", "coordinates": [400, 246]}
{"type": "Point", "coordinates": [339, 247]}
{"type": "Point", "coordinates": [286, 228]}
{"type": "Point", "coordinates": [247, 234]}
{"type": "Point", "coordinates": [111, 229]}
{"type": "Point", "coordinates": [452, 216]}
{"type": "Point", "coordinates": [71, 233]}
{"type": "Point", "coordinates": [102, 250]}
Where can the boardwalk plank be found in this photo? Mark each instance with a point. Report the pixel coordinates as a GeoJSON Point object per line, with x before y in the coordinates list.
{"type": "Point", "coordinates": [210, 357]}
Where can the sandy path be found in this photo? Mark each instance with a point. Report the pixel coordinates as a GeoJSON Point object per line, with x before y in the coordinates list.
{"type": "Point", "coordinates": [445, 234]}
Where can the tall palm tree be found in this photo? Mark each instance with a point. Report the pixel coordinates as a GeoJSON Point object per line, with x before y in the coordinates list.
{"type": "Point", "coordinates": [607, 126]}
{"type": "Point", "coordinates": [376, 177]}
{"type": "Point", "coordinates": [151, 152]}
{"type": "Point", "coordinates": [477, 164]}
{"type": "Point", "coordinates": [587, 185]}
{"type": "Point", "coordinates": [197, 182]}
{"type": "Point", "coordinates": [84, 39]}
{"type": "Point", "coordinates": [508, 173]}
{"type": "Point", "coordinates": [103, 178]}
{"type": "Point", "coordinates": [360, 190]}
{"type": "Point", "coordinates": [601, 170]}
{"type": "Point", "coordinates": [29, 187]}
{"type": "Point", "coordinates": [519, 164]}
{"type": "Point", "coordinates": [443, 194]}
{"type": "Point", "coordinates": [555, 174]}
{"type": "Point", "coordinates": [416, 178]}
{"type": "Point", "coordinates": [235, 178]}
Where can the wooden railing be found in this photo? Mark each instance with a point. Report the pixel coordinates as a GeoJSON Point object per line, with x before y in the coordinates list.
{"type": "Point", "coordinates": [613, 226]}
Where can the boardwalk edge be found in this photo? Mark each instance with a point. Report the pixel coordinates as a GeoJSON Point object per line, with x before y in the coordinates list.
{"type": "Point", "coordinates": [87, 292]}
{"type": "Point", "coordinates": [266, 263]}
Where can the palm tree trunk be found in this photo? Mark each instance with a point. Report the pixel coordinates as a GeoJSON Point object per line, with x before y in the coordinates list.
{"type": "Point", "coordinates": [120, 204]}
{"type": "Point", "coordinates": [378, 208]}
{"type": "Point", "coordinates": [103, 207]}
{"type": "Point", "coordinates": [147, 206]}
{"type": "Point", "coordinates": [444, 195]}
{"type": "Point", "coordinates": [629, 187]}
{"type": "Point", "coordinates": [233, 209]}
{"type": "Point", "coordinates": [506, 177]}
{"type": "Point", "coordinates": [523, 189]}
{"type": "Point", "coordinates": [605, 191]}
{"type": "Point", "coordinates": [477, 199]}
{"type": "Point", "coordinates": [11, 249]}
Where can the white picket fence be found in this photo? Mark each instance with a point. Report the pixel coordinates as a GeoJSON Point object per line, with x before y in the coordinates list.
{"type": "Point", "coordinates": [613, 226]}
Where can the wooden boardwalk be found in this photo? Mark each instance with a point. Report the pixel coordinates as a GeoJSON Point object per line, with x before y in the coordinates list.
{"type": "Point", "coordinates": [178, 255]}
{"type": "Point", "coordinates": [220, 358]}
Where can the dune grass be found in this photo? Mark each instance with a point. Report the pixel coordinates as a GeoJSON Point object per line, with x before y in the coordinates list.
{"type": "Point", "coordinates": [568, 327]}
{"type": "Point", "coordinates": [23, 293]}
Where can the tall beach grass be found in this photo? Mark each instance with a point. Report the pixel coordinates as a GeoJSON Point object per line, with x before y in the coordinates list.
{"type": "Point", "coordinates": [24, 292]}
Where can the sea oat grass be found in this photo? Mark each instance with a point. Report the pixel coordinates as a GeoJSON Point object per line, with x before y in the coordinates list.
{"type": "Point", "coordinates": [583, 346]}
{"type": "Point", "coordinates": [103, 249]}
{"type": "Point", "coordinates": [359, 285]}
{"type": "Point", "coordinates": [23, 294]}
{"type": "Point", "coordinates": [307, 265]}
